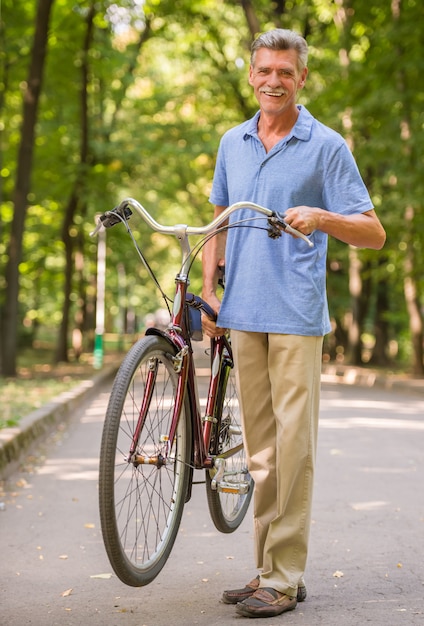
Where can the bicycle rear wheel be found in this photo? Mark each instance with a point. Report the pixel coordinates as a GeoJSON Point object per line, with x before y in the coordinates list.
{"type": "Point", "coordinates": [142, 499]}
{"type": "Point", "coordinates": [229, 500]}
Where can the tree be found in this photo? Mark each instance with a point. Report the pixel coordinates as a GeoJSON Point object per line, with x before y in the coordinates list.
{"type": "Point", "coordinates": [135, 97]}
{"type": "Point", "coordinates": [22, 186]}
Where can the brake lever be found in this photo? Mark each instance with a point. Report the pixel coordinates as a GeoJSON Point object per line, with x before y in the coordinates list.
{"type": "Point", "coordinates": [276, 223]}
{"type": "Point", "coordinates": [110, 218]}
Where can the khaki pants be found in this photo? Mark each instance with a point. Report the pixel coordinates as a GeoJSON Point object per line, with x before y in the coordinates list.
{"type": "Point", "coordinates": [279, 387]}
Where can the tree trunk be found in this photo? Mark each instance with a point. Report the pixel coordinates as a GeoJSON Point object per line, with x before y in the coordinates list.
{"type": "Point", "coordinates": [413, 306]}
{"type": "Point", "coordinates": [62, 341]}
{"type": "Point", "coordinates": [380, 353]}
{"type": "Point", "coordinates": [251, 18]}
{"type": "Point", "coordinates": [22, 186]}
{"type": "Point", "coordinates": [415, 325]}
{"type": "Point", "coordinates": [355, 286]}
{"type": "Point", "coordinates": [75, 201]}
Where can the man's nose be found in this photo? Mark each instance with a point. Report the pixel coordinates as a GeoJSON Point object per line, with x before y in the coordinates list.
{"type": "Point", "coordinates": [273, 79]}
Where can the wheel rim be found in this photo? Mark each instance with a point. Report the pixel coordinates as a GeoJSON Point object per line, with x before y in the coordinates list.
{"type": "Point", "coordinates": [144, 494]}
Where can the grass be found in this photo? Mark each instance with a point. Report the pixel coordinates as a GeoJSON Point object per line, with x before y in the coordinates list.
{"type": "Point", "coordinates": [21, 396]}
{"type": "Point", "coordinates": [38, 382]}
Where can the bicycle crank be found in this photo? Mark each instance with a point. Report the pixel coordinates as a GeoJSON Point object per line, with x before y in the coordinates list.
{"type": "Point", "coordinates": [220, 484]}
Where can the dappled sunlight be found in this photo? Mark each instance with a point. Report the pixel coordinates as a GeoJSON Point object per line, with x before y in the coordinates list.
{"type": "Point", "coordinates": [93, 416]}
{"type": "Point", "coordinates": [372, 505]}
{"type": "Point", "coordinates": [97, 411]}
{"type": "Point", "coordinates": [369, 413]}
{"type": "Point", "coordinates": [344, 423]}
{"type": "Point", "coordinates": [416, 408]}
{"type": "Point", "coordinates": [71, 469]}
{"type": "Point", "coordinates": [389, 470]}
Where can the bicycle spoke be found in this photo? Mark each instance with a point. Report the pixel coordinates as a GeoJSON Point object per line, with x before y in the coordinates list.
{"type": "Point", "coordinates": [149, 488]}
{"type": "Point", "coordinates": [229, 487]}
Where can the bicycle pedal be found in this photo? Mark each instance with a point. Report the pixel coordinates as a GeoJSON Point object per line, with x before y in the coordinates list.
{"type": "Point", "coordinates": [236, 488]}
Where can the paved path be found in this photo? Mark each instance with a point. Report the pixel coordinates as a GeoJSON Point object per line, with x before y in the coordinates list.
{"type": "Point", "coordinates": [366, 556]}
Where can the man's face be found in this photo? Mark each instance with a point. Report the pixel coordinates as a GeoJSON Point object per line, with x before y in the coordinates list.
{"type": "Point", "coordinates": [276, 79]}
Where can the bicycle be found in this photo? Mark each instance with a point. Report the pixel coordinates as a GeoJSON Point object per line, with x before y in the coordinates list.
{"type": "Point", "coordinates": [154, 434]}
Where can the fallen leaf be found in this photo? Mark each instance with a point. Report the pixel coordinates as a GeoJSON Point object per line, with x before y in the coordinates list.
{"type": "Point", "coordinates": [399, 565]}
{"type": "Point", "coordinates": [101, 576]}
{"type": "Point", "coordinates": [338, 574]}
{"type": "Point", "coordinates": [66, 593]}
{"type": "Point", "coordinates": [23, 483]}
{"type": "Point", "coordinates": [63, 556]}
{"type": "Point", "coordinates": [205, 580]}
{"type": "Point", "coordinates": [89, 525]}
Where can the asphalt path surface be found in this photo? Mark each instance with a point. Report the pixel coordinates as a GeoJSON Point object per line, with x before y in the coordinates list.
{"type": "Point", "coordinates": [366, 550]}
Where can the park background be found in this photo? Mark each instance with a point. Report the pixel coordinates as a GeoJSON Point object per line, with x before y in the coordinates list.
{"type": "Point", "coordinates": [102, 100]}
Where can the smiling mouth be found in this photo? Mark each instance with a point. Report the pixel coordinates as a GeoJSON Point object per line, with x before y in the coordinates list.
{"type": "Point", "coordinates": [274, 94]}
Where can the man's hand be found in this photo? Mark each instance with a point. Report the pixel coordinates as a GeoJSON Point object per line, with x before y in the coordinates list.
{"type": "Point", "coordinates": [303, 218]}
{"type": "Point", "coordinates": [209, 327]}
{"type": "Point", "coordinates": [363, 230]}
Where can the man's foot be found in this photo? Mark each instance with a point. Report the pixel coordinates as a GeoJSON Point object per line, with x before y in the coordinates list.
{"type": "Point", "coordinates": [266, 602]}
{"type": "Point", "coordinates": [301, 592]}
{"type": "Point", "coordinates": [233, 596]}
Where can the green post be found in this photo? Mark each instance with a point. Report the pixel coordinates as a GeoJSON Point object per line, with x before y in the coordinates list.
{"type": "Point", "coordinates": [100, 301]}
{"type": "Point", "coordinates": [98, 352]}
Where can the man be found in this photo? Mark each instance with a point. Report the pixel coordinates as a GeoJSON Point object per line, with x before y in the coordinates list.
{"type": "Point", "coordinates": [275, 301]}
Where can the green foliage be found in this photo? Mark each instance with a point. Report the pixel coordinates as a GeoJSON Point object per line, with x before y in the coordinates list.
{"type": "Point", "coordinates": [165, 80]}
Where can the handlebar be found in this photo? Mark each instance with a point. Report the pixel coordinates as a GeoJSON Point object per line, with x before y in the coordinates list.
{"type": "Point", "coordinates": [123, 211]}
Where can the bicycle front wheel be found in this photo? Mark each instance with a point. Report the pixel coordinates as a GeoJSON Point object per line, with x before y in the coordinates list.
{"type": "Point", "coordinates": [229, 498]}
{"type": "Point", "coordinates": [142, 494]}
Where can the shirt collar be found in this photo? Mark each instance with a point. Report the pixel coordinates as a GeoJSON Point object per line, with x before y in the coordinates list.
{"type": "Point", "coordinates": [301, 130]}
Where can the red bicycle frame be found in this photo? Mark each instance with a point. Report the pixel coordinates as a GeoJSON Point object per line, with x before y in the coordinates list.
{"type": "Point", "coordinates": [178, 336]}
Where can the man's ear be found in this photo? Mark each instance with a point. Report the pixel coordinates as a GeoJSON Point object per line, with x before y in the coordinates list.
{"type": "Point", "coordinates": [303, 76]}
{"type": "Point", "coordinates": [250, 75]}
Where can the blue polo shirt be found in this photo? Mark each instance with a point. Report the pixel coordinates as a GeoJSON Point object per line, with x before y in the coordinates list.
{"type": "Point", "coordinates": [279, 285]}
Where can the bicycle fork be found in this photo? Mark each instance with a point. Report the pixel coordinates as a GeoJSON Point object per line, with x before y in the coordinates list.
{"type": "Point", "coordinates": [160, 459]}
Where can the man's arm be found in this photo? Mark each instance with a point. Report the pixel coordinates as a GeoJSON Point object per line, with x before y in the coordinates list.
{"type": "Point", "coordinates": [363, 230]}
{"type": "Point", "coordinates": [213, 253]}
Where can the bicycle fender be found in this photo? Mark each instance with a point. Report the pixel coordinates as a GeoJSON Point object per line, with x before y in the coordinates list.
{"type": "Point", "coordinates": [165, 335]}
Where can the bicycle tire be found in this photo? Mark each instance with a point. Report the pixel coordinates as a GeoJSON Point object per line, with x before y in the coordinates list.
{"type": "Point", "coordinates": [227, 509]}
{"type": "Point", "coordinates": [141, 505]}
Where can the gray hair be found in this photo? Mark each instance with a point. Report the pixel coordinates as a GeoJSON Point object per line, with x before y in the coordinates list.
{"type": "Point", "coordinates": [282, 39]}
